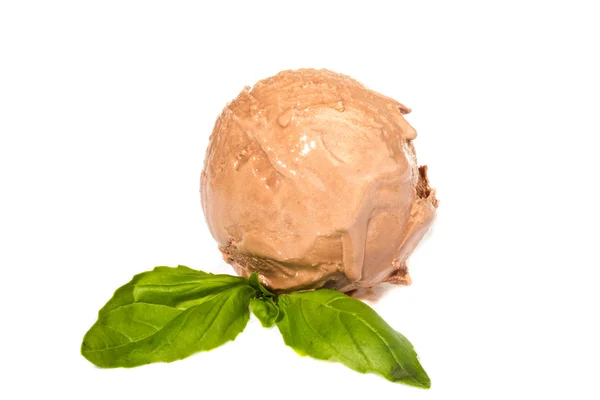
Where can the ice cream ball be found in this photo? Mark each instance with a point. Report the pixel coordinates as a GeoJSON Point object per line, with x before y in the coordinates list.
{"type": "Point", "coordinates": [311, 180]}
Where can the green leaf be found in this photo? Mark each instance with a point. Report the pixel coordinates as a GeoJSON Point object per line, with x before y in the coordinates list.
{"type": "Point", "coordinates": [140, 333]}
{"type": "Point", "coordinates": [255, 283]}
{"type": "Point", "coordinates": [329, 325]}
{"type": "Point", "coordinates": [168, 314]}
{"type": "Point", "coordinates": [265, 310]}
{"type": "Point", "coordinates": [180, 287]}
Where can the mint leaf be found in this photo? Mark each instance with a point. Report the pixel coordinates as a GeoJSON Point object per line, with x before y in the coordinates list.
{"type": "Point", "coordinates": [263, 305]}
{"type": "Point", "coordinates": [168, 314]}
{"type": "Point", "coordinates": [179, 287]}
{"type": "Point", "coordinates": [141, 333]}
{"type": "Point", "coordinates": [265, 310]}
{"type": "Point", "coordinates": [330, 325]}
{"type": "Point", "coordinates": [260, 289]}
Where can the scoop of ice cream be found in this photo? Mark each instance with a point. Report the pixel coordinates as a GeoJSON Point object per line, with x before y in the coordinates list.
{"type": "Point", "coordinates": [311, 180]}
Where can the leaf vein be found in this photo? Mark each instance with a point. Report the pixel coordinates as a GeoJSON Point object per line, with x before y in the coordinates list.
{"type": "Point", "coordinates": [213, 320]}
{"type": "Point", "coordinates": [172, 337]}
{"type": "Point", "coordinates": [119, 332]}
{"type": "Point", "coordinates": [317, 332]}
{"type": "Point", "coordinates": [368, 362]}
{"type": "Point", "coordinates": [145, 323]}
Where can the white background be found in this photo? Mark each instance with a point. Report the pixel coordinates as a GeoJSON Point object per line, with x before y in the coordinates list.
{"type": "Point", "coordinates": [105, 112]}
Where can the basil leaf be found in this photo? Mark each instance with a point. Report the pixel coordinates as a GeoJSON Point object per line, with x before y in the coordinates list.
{"type": "Point", "coordinates": [265, 310]}
{"type": "Point", "coordinates": [255, 283]}
{"type": "Point", "coordinates": [141, 333]}
{"type": "Point", "coordinates": [330, 325]}
{"type": "Point", "coordinates": [180, 287]}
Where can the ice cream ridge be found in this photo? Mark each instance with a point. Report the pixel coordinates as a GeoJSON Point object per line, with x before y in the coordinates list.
{"type": "Point", "coordinates": [311, 180]}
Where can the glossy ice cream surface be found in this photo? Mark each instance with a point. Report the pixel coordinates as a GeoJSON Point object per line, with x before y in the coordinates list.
{"type": "Point", "coordinates": [311, 180]}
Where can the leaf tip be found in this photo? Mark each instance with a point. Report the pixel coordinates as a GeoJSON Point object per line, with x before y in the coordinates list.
{"type": "Point", "coordinates": [418, 379]}
{"type": "Point", "coordinates": [424, 381]}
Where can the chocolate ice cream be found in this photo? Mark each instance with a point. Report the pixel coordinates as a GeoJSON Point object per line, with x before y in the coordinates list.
{"type": "Point", "coordinates": [311, 180]}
